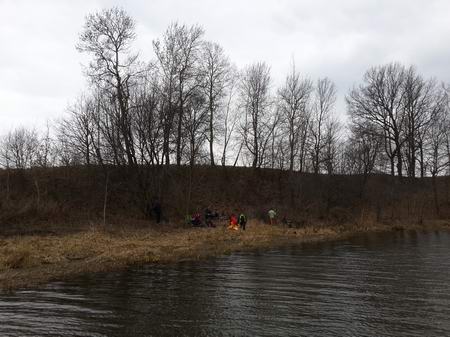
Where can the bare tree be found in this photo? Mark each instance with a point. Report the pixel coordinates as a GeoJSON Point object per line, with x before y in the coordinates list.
{"type": "Point", "coordinates": [378, 104]}
{"type": "Point", "coordinates": [437, 157]}
{"type": "Point", "coordinates": [436, 151]}
{"type": "Point", "coordinates": [363, 148]}
{"type": "Point", "coordinates": [216, 70]}
{"type": "Point", "coordinates": [196, 125]}
{"type": "Point", "coordinates": [107, 36]}
{"type": "Point", "coordinates": [76, 129]}
{"type": "Point", "coordinates": [19, 148]}
{"type": "Point", "coordinates": [323, 105]}
{"type": "Point", "coordinates": [230, 117]}
{"type": "Point", "coordinates": [178, 54]}
{"type": "Point", "coordinates": [270, 140]}
{"type": "Point", "coordinates": [256, 103]}
{"type": "Point", "coordinates": [167, 50]}
{"type": "Point", "coordinates": [279, 151]}
{"type": "Point", "coordinates": [293, 101]}
{"type": "Point", "coordinates": [331, 141]}
{"type": "Point", "coordinates": [149, 121]}
{"type": "Point", "coordinates": [421, 103]}
{"type": "Point", "coordinates": [45, 154]}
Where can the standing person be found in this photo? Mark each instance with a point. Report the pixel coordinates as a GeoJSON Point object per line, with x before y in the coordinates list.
{"type": "Point", "coordinates": [157, 210]}
{"type": "Point", "coordinates": [242, 221]}
{"type": "Point", "coordinates": [272, 215]}
{"type": "Point", "coordinates": [208, 218]}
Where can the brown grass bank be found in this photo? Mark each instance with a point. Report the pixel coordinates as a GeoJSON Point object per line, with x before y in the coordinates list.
{"type": "Point", "coordinates": [28, 261]}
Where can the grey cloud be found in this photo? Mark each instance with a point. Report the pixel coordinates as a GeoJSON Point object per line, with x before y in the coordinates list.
{"type": "Point", "coordinates": [40, 69]}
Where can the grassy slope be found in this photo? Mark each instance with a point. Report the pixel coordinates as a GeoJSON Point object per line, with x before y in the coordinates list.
{"type": "Point", "coordinates": [65, 198]}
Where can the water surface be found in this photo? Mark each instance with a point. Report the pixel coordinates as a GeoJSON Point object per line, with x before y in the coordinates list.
{"type": "Point", "coordinates": [376, 285]}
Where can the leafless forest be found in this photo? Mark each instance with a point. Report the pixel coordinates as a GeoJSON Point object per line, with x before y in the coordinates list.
{"type": "Point", "coordinates": [190, 105]}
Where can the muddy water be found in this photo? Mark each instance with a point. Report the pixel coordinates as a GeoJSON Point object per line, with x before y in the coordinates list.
{"type": "Point", "coordinates": [376, 285]}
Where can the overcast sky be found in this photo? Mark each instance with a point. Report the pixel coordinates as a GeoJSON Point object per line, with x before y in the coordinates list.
{"type": "Point", "coordinates": [40, 69]}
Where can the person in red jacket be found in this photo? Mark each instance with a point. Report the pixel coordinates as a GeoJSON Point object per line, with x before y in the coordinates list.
{"type": "Point", "coordinates": [233, 222]}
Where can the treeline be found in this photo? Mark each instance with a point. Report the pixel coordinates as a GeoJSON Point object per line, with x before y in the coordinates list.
{"type": "Point", "coordinates": [190, 105]}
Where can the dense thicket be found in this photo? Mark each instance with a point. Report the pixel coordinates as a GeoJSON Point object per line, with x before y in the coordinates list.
{"type": "Point", "coordinates": [190, 105]}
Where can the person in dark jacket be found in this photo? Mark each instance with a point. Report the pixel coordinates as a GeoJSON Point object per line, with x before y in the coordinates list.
{"type": "Point", "coordinates": [242, 221]}
{"type": "Point", "coordinates": [209, 217]}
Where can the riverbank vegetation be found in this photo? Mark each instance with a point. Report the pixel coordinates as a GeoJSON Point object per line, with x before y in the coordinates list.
{"type": "Point", "coordinates": [60, 222]}
{"type": "Point", "coordinates": [27, 261]}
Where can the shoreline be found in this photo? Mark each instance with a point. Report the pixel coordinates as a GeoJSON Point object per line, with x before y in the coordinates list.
{"type": "Point", "coordinates": [35, 260]}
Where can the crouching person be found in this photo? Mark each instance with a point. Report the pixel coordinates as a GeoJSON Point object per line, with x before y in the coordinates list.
{"type": "Point", "coordinates": [233, 223]}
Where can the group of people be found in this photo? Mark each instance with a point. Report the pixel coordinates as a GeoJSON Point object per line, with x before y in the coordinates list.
{"type": "Point", "coordinates": [196, 218]}
{"type": "Point", "coordinates": [237, 222]}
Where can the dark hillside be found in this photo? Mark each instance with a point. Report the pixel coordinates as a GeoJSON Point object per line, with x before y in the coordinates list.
{"type": "Point", "coordinates": [73, 196]}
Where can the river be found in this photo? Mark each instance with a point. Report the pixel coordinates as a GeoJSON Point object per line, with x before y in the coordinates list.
{"type": "Point", "coordinates": [391, 284]}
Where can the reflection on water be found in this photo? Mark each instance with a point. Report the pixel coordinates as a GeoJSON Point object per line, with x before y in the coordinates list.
{"type": "Point", "coordinates": [378, 285]}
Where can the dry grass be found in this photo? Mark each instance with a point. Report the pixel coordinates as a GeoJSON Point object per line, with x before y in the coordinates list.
{"type": "Point", "coordinates": [32, 260]}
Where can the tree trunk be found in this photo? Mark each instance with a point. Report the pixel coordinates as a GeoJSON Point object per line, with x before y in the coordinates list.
{"type": "Point", "coordinates": [412, 164]}
{"type": "Point", "coordinates": [179, 130]}
{"type": "Point", "coordinates": [422, 162]}
{"type": "Point", "coordinates": [211, 134]}
{"type": "Point", "coordinates": [399, 161]}
{"type": "Point", "coordinates": [391, 159]}
{"type": "Point", "coordinates": [291, 157]}
{"type": "Point", "coordinates": [256, 150]}
{"type": "Point", "coordinates": [237, 156]}
{"type": "Point", "coordinates": [180, 124]}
